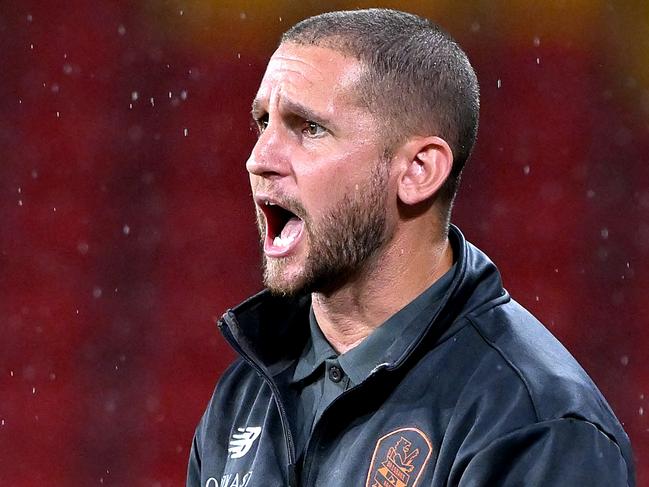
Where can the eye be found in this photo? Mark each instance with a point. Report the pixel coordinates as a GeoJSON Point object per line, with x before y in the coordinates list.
{"type": "Point", "coordinates": [262, 123]}
{"type": "Point", "coordinates": [313, 129]}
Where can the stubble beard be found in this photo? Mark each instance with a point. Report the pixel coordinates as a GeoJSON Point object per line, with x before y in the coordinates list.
{"type": "Point", "coordinates": [340, 244]}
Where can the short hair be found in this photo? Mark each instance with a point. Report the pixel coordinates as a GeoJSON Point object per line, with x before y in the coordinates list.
{"type": "Point", "coordinates": [416, 78]}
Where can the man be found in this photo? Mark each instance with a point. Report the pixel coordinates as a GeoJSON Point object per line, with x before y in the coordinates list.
{"type": "Point", "coordinates": [385, 351]}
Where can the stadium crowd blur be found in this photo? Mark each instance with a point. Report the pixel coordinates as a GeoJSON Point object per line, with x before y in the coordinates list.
{"type": "Point", "coordinates": [127, 228]}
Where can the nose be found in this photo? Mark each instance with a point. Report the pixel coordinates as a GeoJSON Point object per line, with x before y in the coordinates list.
{"type": "Point", "coordinates": [269, 155]}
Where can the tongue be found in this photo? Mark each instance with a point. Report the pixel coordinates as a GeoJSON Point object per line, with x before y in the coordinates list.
{"type": "Point", "coordinates": [291, 229]}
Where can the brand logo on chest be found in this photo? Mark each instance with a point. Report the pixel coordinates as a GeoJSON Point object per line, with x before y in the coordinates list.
{"type": "Point", "coordinates": [399, 459]}
{"type": "Point", "coordinates": [242, 442]}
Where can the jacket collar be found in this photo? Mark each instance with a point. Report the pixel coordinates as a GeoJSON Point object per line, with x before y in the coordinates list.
{"type": "Point", "coordinates": [272, 330]}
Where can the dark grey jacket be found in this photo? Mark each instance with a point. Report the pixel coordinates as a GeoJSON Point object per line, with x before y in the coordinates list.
{"type": "Point", "coordinates": [484, 396]}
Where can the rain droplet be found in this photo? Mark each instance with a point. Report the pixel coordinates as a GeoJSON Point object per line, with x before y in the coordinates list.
{"type": "Point", "coordinates": [83, 247]}
{"type": "Point", "coordinates": [31, 46]}
{"type": "Point", "coordinates": [20, 202]}
{"type": "Point", "coordinates": [134, 96]}
{"type": "Point", "coordinates": [604, 233]}
{"type": "Point", "coordinates": [126, 229]}
{"type": "Point", "coordinates": [243, 16]}
{"type": "Point", "coordinates": [121, 30]}
{"type": "Point", "coordinates": [29, 17]}
{"type": "Point", "coordinates": [96, 292]}
{"type": "Point", "coordinates": [641, 411]}
{"type": "Point", "coordinates": [33, 390]}
{"type": "Point", "coordinates": [538, 60]}
{"type": "Point", "coordinates": [526, 170]}
{"type": "Point", "coordinates": [185, 132]}
{"type": "Point", "coordinates": [590, 194]}
{"type": "Point", "coordinates": [537, 41]}
{"type": "Point", "coordinates": [58, 114]}
{"type": "Point", "coordinates": [624, 360]}
{"type": "Point", "coordinates": [183, 95]}
{"type": "Point", "coordinates": [499, 83]}
{"type": "Point", "coordinates": [152, 101]}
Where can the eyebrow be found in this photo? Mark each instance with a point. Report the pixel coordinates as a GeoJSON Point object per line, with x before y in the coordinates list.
{"type": "Point", "coordinates": [293, 107]}
{"type": "Point", "coordinates": [257, 109]}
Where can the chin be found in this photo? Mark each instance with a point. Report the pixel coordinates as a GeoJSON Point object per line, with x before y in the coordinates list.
{"type": "Point", "coordinates": [283, 278]}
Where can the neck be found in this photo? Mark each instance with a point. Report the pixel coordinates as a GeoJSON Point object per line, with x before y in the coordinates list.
{"type": "Point", "coordinates": [395, 277]}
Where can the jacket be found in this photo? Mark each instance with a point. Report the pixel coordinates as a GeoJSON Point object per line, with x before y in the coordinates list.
{"type": "Point", "coordinates": [484, 395]}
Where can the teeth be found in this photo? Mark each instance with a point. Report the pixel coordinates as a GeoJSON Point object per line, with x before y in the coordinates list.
{"type": "Point", "coordinates": [283, 242]}
{"type": "Point", "coordinates": [268, 203]}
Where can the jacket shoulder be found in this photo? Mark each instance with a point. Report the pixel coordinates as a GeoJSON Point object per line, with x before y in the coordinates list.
{"type": "Point", "coordinates": [556, 384]}
{"type": "Point", "coordinates": [229, 396]}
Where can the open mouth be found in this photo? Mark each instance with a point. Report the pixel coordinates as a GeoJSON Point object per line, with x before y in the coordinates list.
{"type": "Point", "coordinates": [283, 228]}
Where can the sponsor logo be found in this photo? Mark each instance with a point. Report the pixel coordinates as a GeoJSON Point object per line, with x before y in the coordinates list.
{"type": "Point", "coordinates": [242, 441]}
{"type": "Point", "coordinates": [229, 480]}
{"type": "Point", "coordinates": [399, 459]}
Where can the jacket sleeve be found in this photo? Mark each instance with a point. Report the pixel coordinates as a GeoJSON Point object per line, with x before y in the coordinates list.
{"type": "Point", "coordinates": [194, 467]}
{"type": "Point", "coordinates": [560, 452]}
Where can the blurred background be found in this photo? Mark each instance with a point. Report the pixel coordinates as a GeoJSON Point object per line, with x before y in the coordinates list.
{"type": "Point", "coordinates": [126, 225]}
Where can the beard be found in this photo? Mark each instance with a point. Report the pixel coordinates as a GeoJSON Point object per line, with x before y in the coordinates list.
{"type": "Point", "coordinates": [340, 244]}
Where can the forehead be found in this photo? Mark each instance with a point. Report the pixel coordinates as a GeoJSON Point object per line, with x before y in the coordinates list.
{"type": "Point", "coordinates": [309, 73]}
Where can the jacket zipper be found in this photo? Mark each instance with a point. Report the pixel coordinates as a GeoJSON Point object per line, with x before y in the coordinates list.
{"type": "Point", "coordinates": [231, 321]}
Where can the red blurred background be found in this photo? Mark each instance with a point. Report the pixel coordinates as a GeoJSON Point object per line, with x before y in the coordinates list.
{"type": "Point", "coordinates": [126, 226]}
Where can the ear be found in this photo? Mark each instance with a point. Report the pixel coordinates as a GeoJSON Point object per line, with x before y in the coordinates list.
{"type": "Point", "coordinates": [425, 164]}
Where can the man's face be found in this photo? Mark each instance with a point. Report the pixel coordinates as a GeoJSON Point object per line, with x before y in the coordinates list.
{"type": "Point", "coordinates": [317, 172]}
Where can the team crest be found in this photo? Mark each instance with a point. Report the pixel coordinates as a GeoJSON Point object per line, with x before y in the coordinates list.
{"type": "Point", "coordinates": [399, 459]}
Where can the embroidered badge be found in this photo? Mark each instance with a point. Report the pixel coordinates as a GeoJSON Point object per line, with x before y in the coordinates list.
{"type": "Point", "coordinates": [399, 459]}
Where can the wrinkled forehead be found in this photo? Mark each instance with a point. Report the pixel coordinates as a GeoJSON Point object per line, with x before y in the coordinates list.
{"type": "Point", "coordinates": [313, 71]}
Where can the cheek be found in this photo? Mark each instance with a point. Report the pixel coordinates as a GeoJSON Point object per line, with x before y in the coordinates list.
{"type": "Point", "coordinates": [323, 184]}
{"type": "Point", "coordinates": [322, 194]}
